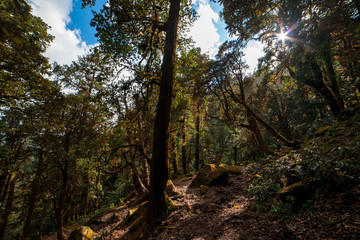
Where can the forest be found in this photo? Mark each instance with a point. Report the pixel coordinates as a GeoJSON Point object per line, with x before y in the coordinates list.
{"type": "Point", "coordinates": [147, 137]}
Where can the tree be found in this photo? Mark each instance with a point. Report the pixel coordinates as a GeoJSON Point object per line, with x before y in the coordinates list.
{"type": "Point", "coordinates": [23, 39]}
{"type": "Point", "coordinates": [308, 27]}
{"type": "Point", "coordinates": [136, 29]}
{"type": "Point", "coordinates": [193, 67]}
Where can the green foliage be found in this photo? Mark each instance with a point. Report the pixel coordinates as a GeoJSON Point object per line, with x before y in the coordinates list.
{"type": "Point", "coordinates": [326, 164]}
{"type": "Point", "coordinates": [23, 39]}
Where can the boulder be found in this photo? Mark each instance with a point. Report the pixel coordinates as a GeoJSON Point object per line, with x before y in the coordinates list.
{"type": "Point", "coordinates": [321, 131]}
{"type": "Point", "coordinates": [210, 175]}
{"type": "Point", "coordinates": [297, 193]}
{"type": "Point", "coordinates": [82, 233]}
{"type": "Point", "coordinates": [232, 168]}
{"type": "Point", "coordinates": [171, 190]}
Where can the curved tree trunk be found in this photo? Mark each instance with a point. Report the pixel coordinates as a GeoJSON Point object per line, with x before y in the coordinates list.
{"type": "Point", "coordinates": [139, 185]}
{"type": "Point", "coordinates": [318, 84]}
{"type": "Point", "coordinates": [253, 126]}
{"type": "Point", "coordinates": [157, 208]}
{"type": "Point", "coordinates": [275, 133]}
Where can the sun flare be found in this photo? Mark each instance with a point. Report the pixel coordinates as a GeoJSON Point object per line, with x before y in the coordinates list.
{"type": "Point", "coordinates": [282, 36]}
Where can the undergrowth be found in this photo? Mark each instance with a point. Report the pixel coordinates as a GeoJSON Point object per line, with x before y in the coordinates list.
{"type": "Point", "coordinates": [325, 165]}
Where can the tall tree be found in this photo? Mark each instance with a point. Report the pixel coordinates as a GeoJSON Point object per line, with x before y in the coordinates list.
{"type": "Point", "coordinates": [136, 29]}
{"type": "Point", "coordinates": [23, 39]}
{"type": "Point", "coordinates": [159, 162]}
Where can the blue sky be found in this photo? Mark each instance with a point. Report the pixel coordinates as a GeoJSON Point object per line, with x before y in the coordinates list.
{"type": "Point", "coordinates": [70, 24]}
{"type": "Point", "coordinates": [80, 19]}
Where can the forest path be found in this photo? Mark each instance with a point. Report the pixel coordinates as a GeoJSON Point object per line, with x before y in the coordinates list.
{"type": "Point", "coordinates": [223, 212]}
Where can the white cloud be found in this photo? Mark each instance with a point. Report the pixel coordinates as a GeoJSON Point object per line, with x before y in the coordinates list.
{"type": "Point", "coordinates": [253, 52]}
{"type": "Point", "coordinates": [67, 45]}
{"type": "Point", "coordinates": [204, 31]}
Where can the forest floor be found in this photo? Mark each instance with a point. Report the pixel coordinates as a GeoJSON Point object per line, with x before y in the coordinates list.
{"type": "Point", "coordinates": [230, 212]}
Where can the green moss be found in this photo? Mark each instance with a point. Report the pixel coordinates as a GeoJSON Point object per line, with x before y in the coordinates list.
{"type": "Point", "coordinates": [232, 169]}
{"type": "Point", "coordinates": [82, 233]}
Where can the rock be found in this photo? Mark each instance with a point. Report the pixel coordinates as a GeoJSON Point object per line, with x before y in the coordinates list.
{"type": "Point", "coordinates": [298, 193]}
{"type": "Point", "coordinates": [322, 131]}
{"type": "Point", "coordinates": [210, 175]}
{"type": "Point", "coordinates": [82, 233]}
{"type": "Point", "coordinates": [232, 168]}
{"type": "Point", "coordinates": [171, 190]}
{"type": "Point", "coordinates": [203, 189]}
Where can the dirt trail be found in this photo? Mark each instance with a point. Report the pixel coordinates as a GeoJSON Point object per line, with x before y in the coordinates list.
{"type": "Point", "coordinates": [224, 212]}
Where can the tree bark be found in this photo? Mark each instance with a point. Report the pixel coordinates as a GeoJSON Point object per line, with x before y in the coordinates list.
{"type": "Point", "coordinates": [140, 187]}
{"type": "Point", "coordinates": [197, 142]}
{"type": "Point", "coordinates": [157, 208]}
{"type": "Point", "coordinates": [260, 139]}
{"type": "Point", "coordinates": [8, 207]}
{"type": "Point", "coordinates": [33, 197]}
{"type": "Point", "coordinates": [253, 126]}
{"type": "Point", "coordinates": [326, 40]}
{"type": "Point", "coordinates": [145, 169]}
{"type": "Point", "coordinates": [174, 155]}
{"type": "Point", "coordinates": [235, 155]}
{"type": "Point", "coordinates": [318, 84]}
{"type": "Point", "coordinates": [59, 205]}
{"type": "Point", "coordinates": [183, 153]}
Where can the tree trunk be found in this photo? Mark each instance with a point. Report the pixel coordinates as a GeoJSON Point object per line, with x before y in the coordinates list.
{"type": "Point", "coordinates": [98, 197]}
{"type": "Point", "coordinates": [275, 133]}
{"type": "Point", "coordinates": [145, 169]}
{"type": "Point", "coordinates": [235, 155]}
{"type": "Point", "coordinates": [6, 186]}
{"type": "Point", "coordinates": [33, 197]}
{"type": "Point", "coordinates": [183, 154]}
{"type": "Point", "coordinates": [255, 129]}
{"type": "Point", "coordinates": [174, 156]}
{"type": "Point", "coordinates": [318, 84]}
{"type": "Point", "coordinates": [3, 181]}
{"type": "Point", "coordinates": [139, 185]}
{"type": "Point", "coordinates": [253, 126]}
{"type": "Point", "coordinates": [8, 207]}
{"type": "Point", "coordinates": [197, 142]}
{"type": "Point", "coordinates": [60, 205]}
{"type": "Point", "coordinates": [326, 37]}
{"type": "Point", "coordinates": [157, 208]}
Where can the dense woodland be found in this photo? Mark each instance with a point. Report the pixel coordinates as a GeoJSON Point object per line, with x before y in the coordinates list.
{"type": "Point", "coordinates": [146, 106]}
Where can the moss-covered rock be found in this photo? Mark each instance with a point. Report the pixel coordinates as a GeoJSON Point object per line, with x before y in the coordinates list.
{"type": "Point", "coordinates": [322, 131]}
{"type": "Point", "coordinates": [209, 175]}
{"type": "Point", "coordinates": [171, 190]}
{"type": "Point", "coordinates": [296, 193]}
{"type": "Point", "coordinates": [232, 168]}
{"type": "Point", "coordinates": [82, 233]}
{"type": "Point", "coordinates": [135, 213]}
